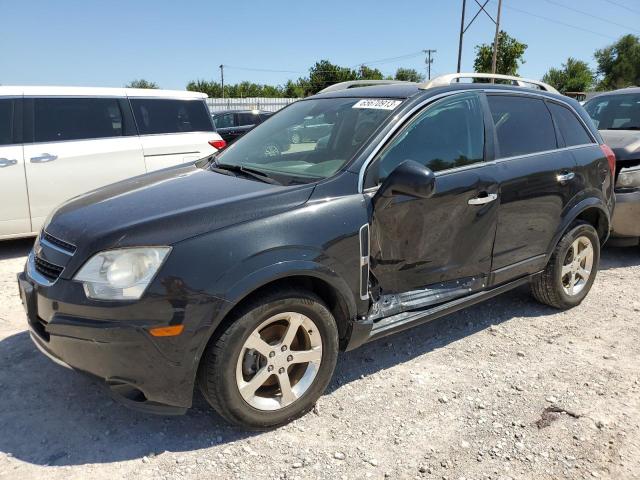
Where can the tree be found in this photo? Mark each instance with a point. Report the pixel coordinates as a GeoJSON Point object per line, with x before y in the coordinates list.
{"type": "Point", "coordinates": [141, 83]}
{"type": "Point", "coordinates": [321, 75]}
{"type": "Point", "coordinates": [574, 76]}
{"type": "Point", "coordinates": [367, 73]}
{"type": "Point", "coordinates": [239, 90]}
{"type": "Point", "coordinates": [212, 89]}
{"type": "Point", "coordinates": [325, 73]}
{"type": "Point", "coordinates": [408, 75]}
{"type": "Point", "coordinates": [510, 53]}
{"type": "Point", "coordinates": [295, 89]}
{"type": "Point", "coordinates": [619, 64]}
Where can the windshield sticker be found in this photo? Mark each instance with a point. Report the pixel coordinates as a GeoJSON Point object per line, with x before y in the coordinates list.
{"type": "Point", "coordinates": [378, 103]}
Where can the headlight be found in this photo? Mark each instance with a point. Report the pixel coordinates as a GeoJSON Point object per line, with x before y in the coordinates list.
{"type": "Point", "coordinates": [629, 178]}
{"type": "Point", "coordinates": [122, 274]}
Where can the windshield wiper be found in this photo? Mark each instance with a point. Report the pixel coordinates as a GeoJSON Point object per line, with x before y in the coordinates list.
{"type": "Point", "coordinates": [248, 171]}
{"type": "Point", "coordinates": [622, 128]}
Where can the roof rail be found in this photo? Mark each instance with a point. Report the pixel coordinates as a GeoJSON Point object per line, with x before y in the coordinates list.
{"type": "Point", "coordinates": [445, 80]}
{"type": "Point", "coordinates": [359, 83]}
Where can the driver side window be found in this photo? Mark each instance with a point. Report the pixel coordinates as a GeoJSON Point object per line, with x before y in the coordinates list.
{"type": "Point", "coordinates": [447, 134]}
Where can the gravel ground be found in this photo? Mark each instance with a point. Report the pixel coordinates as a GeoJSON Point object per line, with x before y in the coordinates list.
{"type": "Point", "coordinates": [508, 389]}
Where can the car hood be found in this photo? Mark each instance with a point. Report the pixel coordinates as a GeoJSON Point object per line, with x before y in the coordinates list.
{"type": "Point", "coordinates": [164, 207]}
{"type": "Point", "coordinates": [624, 143]}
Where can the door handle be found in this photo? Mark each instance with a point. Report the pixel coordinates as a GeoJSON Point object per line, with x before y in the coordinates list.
{"type": "Point", "coordinates": [483, 199]}
{"type": "Point", "coordinates": [564, 177]}
{"type": "Point", "coordinates": [5, 162]}
{"type": "Point", "coordinates": [43, 158]}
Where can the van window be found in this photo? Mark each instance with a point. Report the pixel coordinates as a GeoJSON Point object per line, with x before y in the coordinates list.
{"type": "Point", "coordinates": [160, 115]}
{"type": "Point", "coordinates": [523, 125]}
{"type": "Point", "coordinates": [448, 134]}
{"type": "Point", "coordinates": [57, 119]}
{"type": "Point", "coordinates": [570, 127]}
{"type": "Point", "coordinates": [6, 121]}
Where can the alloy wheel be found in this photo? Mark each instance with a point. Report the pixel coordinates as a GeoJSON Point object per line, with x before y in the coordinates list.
{"type": "Point", "coordinates": [577, 266]}
{"type": "Point", "coordinates": [279, 361]}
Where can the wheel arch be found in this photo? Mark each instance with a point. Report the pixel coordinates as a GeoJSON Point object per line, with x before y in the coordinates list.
{"type": "Point", "coordinates": [334, 297]}
{"type": "Point", "coordinates": [313, 277]}
{"type": "Point", "coordinates": [590, 210]}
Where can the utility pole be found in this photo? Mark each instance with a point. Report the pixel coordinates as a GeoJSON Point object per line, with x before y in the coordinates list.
{"type": "Point", "coordinates": [429, 61]}
{"type": "Point", "coordinates": [222, 79]}
{"type": "Point", "coordinates": [494, 61]}
{"type": "Point", "coordinates": [462, 29]}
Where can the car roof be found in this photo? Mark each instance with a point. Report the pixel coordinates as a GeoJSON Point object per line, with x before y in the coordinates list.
{"type": "Point", "coordinates": [407, 89]}
{"type": "Point", "coordinates": [394, 90]}
{"type": "Point", "coordinates": [33, 90]}
{"type": "Point", "coordinates": [620, 91]}
{"type": "Point", "coordinates": [247, 110]}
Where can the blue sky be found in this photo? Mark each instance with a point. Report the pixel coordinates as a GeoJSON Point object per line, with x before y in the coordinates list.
{"type": "Point", "coordinates": [108, 43]}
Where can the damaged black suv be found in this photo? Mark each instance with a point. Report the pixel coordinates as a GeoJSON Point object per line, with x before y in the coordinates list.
{"type": "Point", "coordinates": [248, 271]}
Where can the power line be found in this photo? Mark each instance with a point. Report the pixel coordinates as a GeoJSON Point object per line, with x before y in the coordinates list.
{"type": "Point", "coordinates": [553, 20]}
{"type": "Point", "coordinates": [587, 14]}
{"type": "Point", "coordinates": [391, 59]}
{"type": "Point", "coordinates": [262, 69]}
{"type": "Point", "coordinates": [372, 62]}
{"type": "Point", "coordinates": [623, 6]}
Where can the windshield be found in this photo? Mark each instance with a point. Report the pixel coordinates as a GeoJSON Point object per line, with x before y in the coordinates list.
{"type": "Point", "coordinates": [309, 140]}
{"type": "Point", "coordinates": [615, 112]}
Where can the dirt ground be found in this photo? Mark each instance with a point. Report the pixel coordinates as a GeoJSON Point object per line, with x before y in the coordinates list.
{"type": "Point", "coordinates": [507, 389]}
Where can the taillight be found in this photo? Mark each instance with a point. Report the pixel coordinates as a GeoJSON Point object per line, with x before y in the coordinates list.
{"type": "Point", "coordinates": [611, 158]}
{"type": "Point", "coordinates": [219, 144]}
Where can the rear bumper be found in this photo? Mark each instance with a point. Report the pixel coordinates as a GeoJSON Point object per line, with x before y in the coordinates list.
{"type": "Point", "coordinates": [113, 344]}
{"type": "Point", "coordinates": [626, 217]}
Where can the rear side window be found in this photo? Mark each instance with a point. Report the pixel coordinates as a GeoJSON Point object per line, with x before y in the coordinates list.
{"type": "Point", "coordinates": [570, 127]}
{"type": "Point", "coordinates": [6, 121]}
{"type": "Point", "coordinates": [224, 121]}
{"type": "Point", "coordinates": [448, 134]}
{"type": "Point", "coordinates": [57, 119]}
{"type": "Point", "coordinates": [160, 115]}
{"type": "Point", "coordinates": [247, 119]}
{"type": "Point", "coordinates": [523, 125]}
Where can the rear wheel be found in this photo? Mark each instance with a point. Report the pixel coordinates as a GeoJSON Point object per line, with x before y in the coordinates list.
{"type": "Point", "coordinates": [273, 362]}
{"type": "Point", "coordinates": [572, 269]}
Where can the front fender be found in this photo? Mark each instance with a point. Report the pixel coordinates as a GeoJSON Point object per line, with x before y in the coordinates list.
{"type": "Point", "coordinates": [265, 268]}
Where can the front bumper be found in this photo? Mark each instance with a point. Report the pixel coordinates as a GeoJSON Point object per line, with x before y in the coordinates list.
{"type": "Point", "coordinates": [111, 341]}
{"type": "Point", "coordinates": [626, 217]}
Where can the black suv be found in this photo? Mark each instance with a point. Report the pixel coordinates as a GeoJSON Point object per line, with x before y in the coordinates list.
{"type": "Point", "coordinates": [246, 273]}
{"type": "Point", "coordinates": [232, 124]}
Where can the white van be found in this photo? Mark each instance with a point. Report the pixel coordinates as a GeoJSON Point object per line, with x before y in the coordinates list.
{"type": "Point", "coordinates": [59, 142]}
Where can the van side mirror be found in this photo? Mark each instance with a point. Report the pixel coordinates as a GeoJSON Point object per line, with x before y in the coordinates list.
{"type": "Point", "coordinates": [409, 178]}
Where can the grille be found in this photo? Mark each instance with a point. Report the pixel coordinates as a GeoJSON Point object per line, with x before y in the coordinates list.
{"type": "Point", "coordinates": [59, 243]}
{"type": "Point", "coordinates": [48, 270]}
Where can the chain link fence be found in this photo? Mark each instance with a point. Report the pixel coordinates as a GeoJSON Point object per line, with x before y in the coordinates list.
{"type": "Point", "coordinates": [251, 103]}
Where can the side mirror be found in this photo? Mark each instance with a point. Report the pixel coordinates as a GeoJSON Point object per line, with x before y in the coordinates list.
{"type": "Point", "coordinates": [409, 178]}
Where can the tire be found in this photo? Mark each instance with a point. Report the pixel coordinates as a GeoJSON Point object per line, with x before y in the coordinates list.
{"type": "Point", "coordinates": [231, 362]}
{"type": "Point", "coordinates": [553, 288]}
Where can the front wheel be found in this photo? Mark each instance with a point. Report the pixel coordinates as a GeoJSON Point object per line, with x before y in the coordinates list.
{"type": "Point", "coordinates": [273, 361]}
{"type": "Point", "coordinates": [571, 270]}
